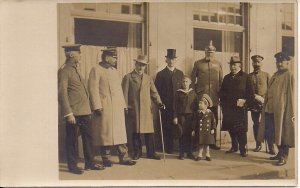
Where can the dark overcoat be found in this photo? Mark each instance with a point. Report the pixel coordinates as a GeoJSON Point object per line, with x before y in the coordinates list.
{"type": "Point", "coordinates": [232, 89]}
{"type": "Point", "coordinates": [138, 91]}
{"type": "Point", "coordinates": [284, 109]}
{"type": "Point", "coordinates": [167, 84]}
{"type": "Point", "coordinates": [203, 124]}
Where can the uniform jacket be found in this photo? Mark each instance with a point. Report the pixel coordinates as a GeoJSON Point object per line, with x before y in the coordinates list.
{"type": "Point", "coordinates": [138, 92]}
{"type": "Point", "coordinates": [257, 83]}
{"type": "Point", "coordinates": [209, 77]}
{"type": "Point", "coordinates": [185, 102]}
{"type": "Point", "coordinates": [203, 124]}
{"type": "Point", "coordinates": [105, 90]}
{"type": "Point", "coordinates": [284, 109]}
{"type": "Point", "coordinates": [167, 84]}
{"type": "Point", "coordinates": [72, 94]}
{"type": "Point", "coordinates": [232, 89]}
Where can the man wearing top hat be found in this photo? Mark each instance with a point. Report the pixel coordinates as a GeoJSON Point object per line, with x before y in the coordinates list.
{"type": "Point", "coordinates": [75, 105]}
{"type": "Point", "coordinates": [207, 76]}
{"type": "Point", "coordinates": [167, 82]}
{"type": "Point", "coordinates": [108, 104]}
{"type": "Point", "coordinates": [257, 85]}
{"type": "Point", "coordinates": [233, 95]}
{"type": "Point", "coordinates": [278, 114]}
{"type": "Point", "coordinates": [138, 90]}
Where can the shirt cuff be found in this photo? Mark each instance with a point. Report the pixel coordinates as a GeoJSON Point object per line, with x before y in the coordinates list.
{"type": "Point", "coordinates": [68, 114]}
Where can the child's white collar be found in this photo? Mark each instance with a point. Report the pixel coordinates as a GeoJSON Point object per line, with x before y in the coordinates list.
{"type": "Point", "coordinates": [185, 91]}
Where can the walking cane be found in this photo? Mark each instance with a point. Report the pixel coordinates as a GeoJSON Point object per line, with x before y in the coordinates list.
{"type": "Point", "coordinates": [220, 127]}
{"type": "Point", "coordinates": [162, 136]}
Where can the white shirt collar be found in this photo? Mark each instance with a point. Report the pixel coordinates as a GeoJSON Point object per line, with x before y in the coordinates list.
{"type": "Point", "coordinates": [185, 91]}
{"type": "Point", "coordinates": [171, 68]}
{"type": "Point", "coordinates": [137, 72]}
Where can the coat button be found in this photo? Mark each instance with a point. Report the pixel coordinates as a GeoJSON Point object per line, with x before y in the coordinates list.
{"type": "Point", "coordinates": [200, 120]}
{"type": "Point", "coordinates": [207, 129]}
{"type": "Point", "coordinates": [200, 129]}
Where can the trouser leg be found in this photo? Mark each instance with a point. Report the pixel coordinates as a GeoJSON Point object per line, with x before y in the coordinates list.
{"type": "Point", "coordinates": [137, 144]}
{"type": "Point", "coordinates": [72, 145]}
{"type": "Point", "coordinates": [214, 110]}
{"type": "Point", "coordinates": [242, 139]}
{"type": "Point", "coordinates": [201, 147]}
{"type": "Point", "coordinates": [149, 141]}
{"type": "Point", "coordinates": [123, 152]}
{"type": "Point", "coordinates": [105, 152]}
{"type": "Point", "coordinates": [167, 120]}
{"type": "Point", "coordinates": [269, 130]}
{"type": "Point", "coordinates": [234, 141]}
{"type": "Point", "coordinates": [255, 118]}
{"type": "Point", "coordinates": [207, 150]}
{"type": "Point", "coordinates": [84, 123]}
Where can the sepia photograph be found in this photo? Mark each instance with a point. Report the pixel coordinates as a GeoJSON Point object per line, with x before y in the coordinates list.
{"type": "Point", "coordinates": [148, 93]}
{"type": "Point", "coordinates": [177, 91]}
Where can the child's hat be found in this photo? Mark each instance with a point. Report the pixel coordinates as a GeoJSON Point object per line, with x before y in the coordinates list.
{"type": "Point", "coordinates": [207, 98]}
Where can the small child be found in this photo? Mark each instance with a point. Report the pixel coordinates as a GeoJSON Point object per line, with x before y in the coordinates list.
{"type": "Point", "coordinates": [205, 124]}
{"type": "Point", "coordinates": [185, 105]}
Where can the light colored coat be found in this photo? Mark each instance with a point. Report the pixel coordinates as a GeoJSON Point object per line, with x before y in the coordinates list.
{"type": "Point", "coordinates": [284, 111]}
{"type": "Point", "coordinates": [138, 94]}
{"type": "Point", "coordinates": [105, 90]}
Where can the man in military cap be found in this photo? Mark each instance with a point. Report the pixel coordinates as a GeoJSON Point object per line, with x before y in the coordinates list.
{"type": "Point", "coordinates": [74, 100]}
{"type": "Point", "coordinates": [207, 76]}
{"type": "Point", "coordinates": [279, 111]}
{"type": "Point", "coordinates": [167, 82]}
{"type": "Point", "coordinates": [138, 90]}
{"type": "Point", "coordinates": [233, 98]}
{"type": "Point", "coordinates": [108, 104]}
{"type": "Point", "coordinates": [257, 85]}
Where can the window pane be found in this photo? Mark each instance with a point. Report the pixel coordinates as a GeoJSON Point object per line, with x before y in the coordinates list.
{"type": "Point", "coordinates": [230, 19]}
{"type": "Point", "coordinates": [196, 17]}
{"type": "Point", "coordinates": [288, 45]}
{"type": "Point", "coordinates": [222, 18]}
{"type": "Point", "coordinates": [125, 9]}
{"type": "Point", "coordinates": [204, 18]}
{"type": "Point", "coordinates": [214, 18]}
{"type": "Point", "coordinates": [137, 9]}
{"type": "Point", "coordinates": [108, 33]}
{"type": "Point", "coordinates": [202, 38]}
{"type": "Point", "coordinates": [238, 20]}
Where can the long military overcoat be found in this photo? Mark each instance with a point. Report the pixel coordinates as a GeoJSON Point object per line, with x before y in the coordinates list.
{"type": "Point", "coordinates": [105, 90]}
{"type": "Point", "coordinates": [284, 111]}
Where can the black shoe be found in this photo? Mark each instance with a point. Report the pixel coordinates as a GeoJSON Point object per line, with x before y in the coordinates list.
{"type": "Point", "coordinates": [231, 150]}
{"type": "Point", "coordinates": [275, 158]}
{"type": "Point", "coordinates": [94, 167]}
{"type": "Point", "coordinates": [244, 154]}
{"type": "Point", "coordinates": [197, 158]}
{"type": "Point", "coordinates": [190, 156]}
{"type": "Point", "coordinates": [272, 152]}
{"type": "Point", "coordinates": [75, 170]}
{"type": "Point", "coordinates": [128, 162]}
{"type": "Point", "coordinates": [155, 157]}
{"type": "Point", "coordinates": [208, 158]}
{"type": "Point", "coordinates": [281, 162]}
{"type": "Point", "coordinates": [181, 157]}
{"type": "Point", "coordinates": [257, 149]}
{"type": "Point", "coordinates": [136, 157]}
{"type": "Point", "coordinates": [215, 147]}
{"type": "Point", "coordinates": [107, 163]}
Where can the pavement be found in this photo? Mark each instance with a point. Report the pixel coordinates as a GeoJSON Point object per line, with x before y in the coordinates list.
{"type": "Point", "coordinates": [256, 166]}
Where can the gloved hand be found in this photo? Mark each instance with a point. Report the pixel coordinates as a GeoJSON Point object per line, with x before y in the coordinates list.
{"type": "Point", "coordinates": [212, 131]}
{"type": "Point", "coordinates": [98, 112]}
{"type": "Point", "coordinates": [71, 119]}
{"type": "Point", "coordinates": [175, 121]}
{"type": "Point", "coordinates": [161, 106]}
{"type": "Point", "coordinates": [193, 133]}
{"type": "Point", "coordinates": [126, 111]}
{"type": "Point", "coordinates": [259, 98]}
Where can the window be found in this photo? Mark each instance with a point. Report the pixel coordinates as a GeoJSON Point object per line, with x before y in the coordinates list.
{"type": "Point", "coordinates": [288, 45]}
{"type": "Point", "coordinates": [224, 41]}
{"type": "Point", "coordinates": [288, 16]}
{"type": "Point", "coordinates": [224, 13]}
{"type": "Point", "coordinates": [108, 33]}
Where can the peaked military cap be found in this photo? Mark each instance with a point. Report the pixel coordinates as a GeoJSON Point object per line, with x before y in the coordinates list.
{"type": "Point", "coordinates": [210, 47]}
{"type": "Point", "coordinates": [110, 51]}
{"type": "Point", "coordinates": [235, 59]}
{"type": "Point", "coordinates": [281, 56]}
{"type": "Point", "coordinates": [72, 47]}
{"type": "Point", "coordinates": [256, 57]}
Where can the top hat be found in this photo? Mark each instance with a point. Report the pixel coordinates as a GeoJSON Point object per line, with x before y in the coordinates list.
{"type": "Point", "coordinates": [281, 56]}
{"type": "Point", "coordinates": [110, 51]}
{"type": "Point", "coordinates": [171, 53]}
{"type": "Point", "coordinates": [210, 47]}
{"type": "Point", "coordinates": [257, 57]}
{"type": "Point", "coordinates": [235, 59]}
{"type": "Point", "coordinates": [142, 59]}
{"type": "Point", "coordinates": [72, 47]}
{"type": "Point", "coordinates": [207, 98]}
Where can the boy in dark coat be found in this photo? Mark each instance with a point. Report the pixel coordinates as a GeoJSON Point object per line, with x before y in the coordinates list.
{"type": "Point", "coordinates": [184, 107]}
{"type": "Point", "coordinates": [205, 126]}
